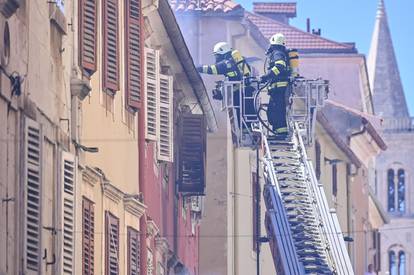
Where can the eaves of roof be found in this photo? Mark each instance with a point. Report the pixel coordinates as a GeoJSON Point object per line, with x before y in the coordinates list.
{"type": "Point", "coordinates": [181, 49]}
{"type": "Point", "coordinates": [366, 120]}
{"type": "Point", "coordinates": [321, 118]}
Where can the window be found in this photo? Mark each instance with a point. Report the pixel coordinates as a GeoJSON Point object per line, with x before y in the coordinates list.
{"type": "Point", "coordinates": [391, 190]}
{"type": "Point", "coordinates": [111, 244]}
{"type": "Point", "coordinates": [33, 177]}
{"type": "Point", "coordinates": [158, 106]}
{"type": "Point", "coordinates": [68, 215]}
{"type": "Point", "coordinates": [318, 160]}
{"type": "Point", "coordinates": [152, 63]}
{"type": "Point", "coordinates": [110, 45]}
{"type": "Point", "coordinates": [392, 263]}
{"type": "Point", "coordinates": [133, 251]}
{"type": "Point", "coordinates": [396, 261]}
{"type": "Point", "coordinates": [192, 137]}
{"type": "Point", "coordinates": [165, 129]}
{"type": "Point", "coordinates": [88, 231]}
{"type": "Point", "coordinates": [376, 237]}
{"type": "Point", "coordinates": [133, 51]}
{"type": "Point", "coordinates": [334, 180]}
{"type": "Point", "coordinates": [401, 263]}
{"type": "Point", "coordinates": [256, 215]}
{"type": "Point", "coordinates": [150, 263]}
{"type": "Point", "coordinates": [401, 191]}
{"type": "Point", "coordinates": [87, 36]}
{"type": "Point", "coordinates": [396, 190]}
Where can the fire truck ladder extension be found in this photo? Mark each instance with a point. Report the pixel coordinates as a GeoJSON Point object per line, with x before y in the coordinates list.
{"type": "Point", "coordinates": [304, 233]}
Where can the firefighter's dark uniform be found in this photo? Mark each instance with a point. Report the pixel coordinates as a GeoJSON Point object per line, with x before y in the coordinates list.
{"type": "Point", "coordinates": [278, 78]}
{"type": "Point", "coordinates": [234, 71]}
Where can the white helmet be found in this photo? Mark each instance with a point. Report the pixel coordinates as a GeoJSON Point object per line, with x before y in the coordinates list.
{"type": "Point", "coordinates": [221, 48]}
{"type": "Point", "coordinates": [277, 39]}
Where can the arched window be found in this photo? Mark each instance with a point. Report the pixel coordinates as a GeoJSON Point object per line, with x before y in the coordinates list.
{"type": "Point", "coordinates": [401, 263]}
{"type": "Point", "coordinates": [401, 190]}
{"type": "Point", "coordinates": [391, 190]}
{"type": "Point", "coordinates": [392, 260]}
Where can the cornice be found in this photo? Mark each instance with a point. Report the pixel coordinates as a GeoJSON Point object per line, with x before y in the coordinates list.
{"type": "Point", "coordinates": [134, 206]}
{"type": "Point", "coordinates": [111, 192]}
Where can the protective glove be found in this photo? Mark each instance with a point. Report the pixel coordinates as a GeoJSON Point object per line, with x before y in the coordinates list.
{"type": "Point", "coordinates": [263, 79]}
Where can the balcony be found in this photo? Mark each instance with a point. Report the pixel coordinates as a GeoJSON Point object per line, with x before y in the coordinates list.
{"type": "Point", "coordinates": [394, 125]}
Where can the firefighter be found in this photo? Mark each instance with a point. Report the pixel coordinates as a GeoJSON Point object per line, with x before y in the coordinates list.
{"type": "Point", "coordinates": [277, 77]}
{"type": "Point", "coordinates": [230, 63]}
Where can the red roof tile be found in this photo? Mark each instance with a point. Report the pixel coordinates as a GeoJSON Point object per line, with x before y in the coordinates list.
{"type": "Point", "coordinates": [296, 38]}
{"type": "Point", "coordinates": [217, 6]}
{"type": "Point", "coordinates": [278, 8]}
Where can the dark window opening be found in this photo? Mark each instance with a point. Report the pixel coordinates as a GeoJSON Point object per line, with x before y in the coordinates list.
{"type": "Point", "coordinates": [391, 190]}
{"type": "Point", "coordinates": [318, 160]}
{"type": "Point", "coordinates": [334, 180]}
{"type": "Point", "coordinates": [401, 190]}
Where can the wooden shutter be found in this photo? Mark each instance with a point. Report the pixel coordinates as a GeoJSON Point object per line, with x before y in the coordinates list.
{"type": "Point", "coordinates": [152, 63]}
{"type": "Point", "coordinates": [133, 251]}
{"type": "Point", "coordinates": [68, 212]}
{"type": "Point", "coordinates": [33, 195]}
{"type": "Point", "coordinates": [88, 237]}
{"type": "Point", "coordinates": [192, 138]}
{"type": "Point", "coordinates": [111, 244]}
{"type": "Point", "coordinates": [133, 52]}
{"type": "Point", "coordinates": [87, 35]}
{"type": "Point", "coordinates": [110, 43]}
{"type": "Point", "coordinates": [150, 263]}
{"type": "Point", "coordinates": [165, 129]}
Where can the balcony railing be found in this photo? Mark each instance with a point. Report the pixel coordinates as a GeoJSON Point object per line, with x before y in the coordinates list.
{"type": "Point", "coordinates": [404, 124]}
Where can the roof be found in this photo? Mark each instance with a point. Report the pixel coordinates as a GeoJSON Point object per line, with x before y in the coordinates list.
{"type": "Point", "coordinates": [370, 122]}
{"type": "Point", "coordinates": [286, 8]}
{"type": "Point", "coordinates": [183, 53]}
{"type": "Point", "coordinates": [337, 139]}
{"type": "Point", "coordinates": [298, 39]}
{"type": "Point", "coordinates": [204, 6]}
{"type": "Point", "coordinates": [384, 77]}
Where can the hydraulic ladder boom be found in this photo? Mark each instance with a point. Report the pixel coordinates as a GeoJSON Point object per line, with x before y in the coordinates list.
{"type": "Point", "coordinates": [304, 234]}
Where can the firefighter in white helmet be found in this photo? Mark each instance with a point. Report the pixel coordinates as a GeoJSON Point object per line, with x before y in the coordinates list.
{"type": "Point", "coordinates": [231, 64]}
{"type": "Point", "coordinates": [277, 77]}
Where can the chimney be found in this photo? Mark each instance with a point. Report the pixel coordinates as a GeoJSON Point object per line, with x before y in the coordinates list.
{"type": "Point", "coordinates": [280, 11]}
{"type": "Point", "coordinates": [308, 24]}
{"type": "Point", "coordinates": [316, 32]}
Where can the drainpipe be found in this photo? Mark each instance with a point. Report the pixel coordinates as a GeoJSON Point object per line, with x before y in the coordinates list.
{"type": "Point", "coordinates": [348, 202]}
{"type": "Point", "coordinates": [141, 178]}
{"type": "Point", "coordinates": [141, 161]}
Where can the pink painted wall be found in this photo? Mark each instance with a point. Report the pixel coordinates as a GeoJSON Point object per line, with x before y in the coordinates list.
{"type": "Point", "coordinates": [159, 198]}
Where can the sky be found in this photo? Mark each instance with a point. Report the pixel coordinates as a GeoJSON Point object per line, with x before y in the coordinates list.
{"type": "Point", "coordinates": [353, 21]}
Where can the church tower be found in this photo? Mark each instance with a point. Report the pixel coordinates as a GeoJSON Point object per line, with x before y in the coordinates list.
{"type": "Point", "coordinates": [388, 93]}
{"type": "Point", "coordinates": [394, 170]}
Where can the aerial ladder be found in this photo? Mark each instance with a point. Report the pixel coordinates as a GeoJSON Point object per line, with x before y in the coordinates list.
{"type": "Point", "coordinates": [303, 232]}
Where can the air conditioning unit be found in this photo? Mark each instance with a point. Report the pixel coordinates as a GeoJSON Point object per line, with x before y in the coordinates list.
{"type": "Point", "coordinates": [196, 204]}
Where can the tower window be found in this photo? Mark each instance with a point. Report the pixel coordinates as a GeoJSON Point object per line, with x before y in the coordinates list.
{"type": "Point", "coordinates": [396, 190]}
{"type": "Point", "coordinates": [391, 191]}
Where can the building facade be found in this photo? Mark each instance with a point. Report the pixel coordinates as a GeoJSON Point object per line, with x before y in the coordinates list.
{"type": "Point", "coordinates": [38, 158]}
{"type": "Point", "coordinates": [393, 167]}
{"type": "Point", "coordinates": [103, 150]}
